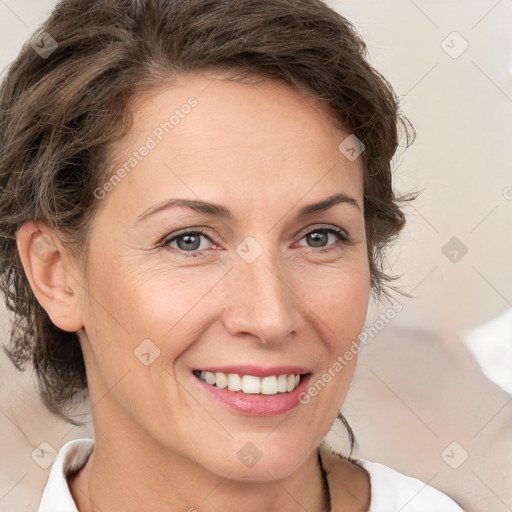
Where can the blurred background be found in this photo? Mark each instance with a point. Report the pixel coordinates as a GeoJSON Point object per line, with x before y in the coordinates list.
{"type": "Point", "coordinates": [432, 396]}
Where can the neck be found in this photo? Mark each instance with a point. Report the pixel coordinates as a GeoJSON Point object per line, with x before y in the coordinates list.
{"type": "Point", "coordinates": [127, 471]}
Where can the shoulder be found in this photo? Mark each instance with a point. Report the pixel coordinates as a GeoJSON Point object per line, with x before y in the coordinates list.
{"type": "Point", "coordinates": [70, 459]}
{"type": "Point", "coordinates": [389, 488]}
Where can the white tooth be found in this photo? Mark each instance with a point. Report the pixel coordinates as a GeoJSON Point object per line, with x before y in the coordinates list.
{"type": "Point", "coordinates": [251, 384]}
{"type": "Point", "coordinates": [221, 380]}
{"type": "Point", "coordinates": [281, 383]}
{"type": "Point", "coordinates": [234, 382]}
{"type": "Point", "coordinates": [269, 385]}
{"type": "Point", "coordinates": [209, 377]}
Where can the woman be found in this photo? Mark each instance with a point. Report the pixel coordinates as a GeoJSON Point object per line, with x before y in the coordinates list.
{"type": "Point", "coordinates": [195, 201]}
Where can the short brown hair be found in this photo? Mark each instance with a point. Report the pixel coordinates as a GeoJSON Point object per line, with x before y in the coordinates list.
{"type": "Point", "coordinates": [62, 114]}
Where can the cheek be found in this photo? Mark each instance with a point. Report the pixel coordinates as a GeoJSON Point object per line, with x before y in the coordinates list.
{"type": "Point", "coordinates": [347, 316]}
{"type": "Point", "coordinates": [339, 298]}
{"type": "Point", "coordinates": [170, 307]}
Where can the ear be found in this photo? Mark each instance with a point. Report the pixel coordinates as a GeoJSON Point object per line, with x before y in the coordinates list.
{"type": "Point", "coordinates": [50, 275]}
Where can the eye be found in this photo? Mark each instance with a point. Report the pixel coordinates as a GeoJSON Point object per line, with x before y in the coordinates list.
{"type": "Point", "coordinates": [319, 237]}
{"type": "Point", "coordinates": [188, 242]}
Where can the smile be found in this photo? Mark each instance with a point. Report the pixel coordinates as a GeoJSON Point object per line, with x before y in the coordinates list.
{"type": "Point", "coordinates": [254, 390]}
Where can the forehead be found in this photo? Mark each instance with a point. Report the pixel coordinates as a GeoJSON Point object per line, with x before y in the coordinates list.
{"type": "Point", "coordinates": [215, 139]}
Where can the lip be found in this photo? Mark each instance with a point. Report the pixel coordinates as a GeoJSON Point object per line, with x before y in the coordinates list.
{"type": "Point", "coordinates": [257, 371]}
{"type": "Point", "coordinates": [253, 404]}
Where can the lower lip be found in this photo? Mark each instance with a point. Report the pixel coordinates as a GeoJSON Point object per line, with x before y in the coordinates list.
{"type": "Point", "coordinates": [253, 404]}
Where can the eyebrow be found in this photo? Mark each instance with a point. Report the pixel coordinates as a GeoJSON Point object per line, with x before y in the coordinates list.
{"type": "Point", "coordinates": [216, 210]}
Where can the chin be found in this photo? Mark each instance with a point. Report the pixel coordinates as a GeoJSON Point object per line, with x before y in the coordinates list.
{"type": "Point", "coordinates": [260, 461]}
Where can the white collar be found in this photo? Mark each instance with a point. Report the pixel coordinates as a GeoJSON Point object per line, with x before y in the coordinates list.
{"type": "Point", "coordinates": [71, 458]}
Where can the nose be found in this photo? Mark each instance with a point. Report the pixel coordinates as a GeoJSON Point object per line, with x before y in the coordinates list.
{"type": "Point", "coordinates": [261, 302]}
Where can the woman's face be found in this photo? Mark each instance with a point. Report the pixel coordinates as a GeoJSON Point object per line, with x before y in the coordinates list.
{"type": "Point", "coordinates": [263, 290]}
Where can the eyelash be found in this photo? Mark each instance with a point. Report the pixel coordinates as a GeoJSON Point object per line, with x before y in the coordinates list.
{"type": "Point", "coordinates": [342, 236]}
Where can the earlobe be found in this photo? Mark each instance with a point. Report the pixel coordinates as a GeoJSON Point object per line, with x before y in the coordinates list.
{"type": "Point", "coordinates": [56, 289]}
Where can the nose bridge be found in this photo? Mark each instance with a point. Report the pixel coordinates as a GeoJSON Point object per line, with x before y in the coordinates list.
{"type": "Point", "coordinates": [262, 302]}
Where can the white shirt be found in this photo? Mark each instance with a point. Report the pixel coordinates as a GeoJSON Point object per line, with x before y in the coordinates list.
{"type": "Point", "coordinates": [390, 491]}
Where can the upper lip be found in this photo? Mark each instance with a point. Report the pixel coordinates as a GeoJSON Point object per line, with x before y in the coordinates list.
{"type": "Point", "coordinates": [257, 371]}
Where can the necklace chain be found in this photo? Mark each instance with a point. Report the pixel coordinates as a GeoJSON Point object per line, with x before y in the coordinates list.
{"type": "Point", "coordinates": [327, 493]}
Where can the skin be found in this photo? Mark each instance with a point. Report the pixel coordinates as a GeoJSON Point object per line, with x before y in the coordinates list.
{"type": "Point", "coordinates": [263, 151]}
